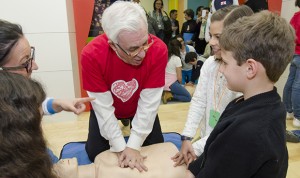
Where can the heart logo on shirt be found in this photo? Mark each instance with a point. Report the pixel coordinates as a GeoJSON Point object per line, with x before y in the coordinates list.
{"type": "Point", "coordinates": [124, 90]}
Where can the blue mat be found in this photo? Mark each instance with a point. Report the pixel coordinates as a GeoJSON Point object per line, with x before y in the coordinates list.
{"type": "Point", "coordinates": [296, 132]}
{"type": "Point", "coordinates": [77, 149]}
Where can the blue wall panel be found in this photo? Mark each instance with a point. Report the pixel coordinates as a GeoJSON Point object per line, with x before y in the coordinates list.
{"type": "Point", "coordinates": [193, 4]}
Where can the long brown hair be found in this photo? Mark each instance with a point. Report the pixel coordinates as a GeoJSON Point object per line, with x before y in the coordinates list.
{"type": "Point", "coordinates": [22, 145]}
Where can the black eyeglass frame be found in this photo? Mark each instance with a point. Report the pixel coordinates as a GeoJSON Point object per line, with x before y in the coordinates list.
{"type": "Point", "coordinates": [137, 51]}
{"type": "Point", "coordinates": [27, 65]}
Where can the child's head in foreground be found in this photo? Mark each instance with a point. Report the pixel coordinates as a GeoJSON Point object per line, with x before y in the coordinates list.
{"type": "Point", "coordinates": [222, 18]}
{"type": "Point", "coordinates": [22, 145]}
{"type": "Point", "coordinates": [256, 47]}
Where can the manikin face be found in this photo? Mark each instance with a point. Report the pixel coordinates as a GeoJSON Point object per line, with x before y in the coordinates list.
{"type": "Point", "coordinates": [215, 31]}
{"type": "Point", "coordinates": [132, 46]}
{"type": "Point", "coordinates": [234, 74]}
{"type": "Point", "coordinates": [18, 56]}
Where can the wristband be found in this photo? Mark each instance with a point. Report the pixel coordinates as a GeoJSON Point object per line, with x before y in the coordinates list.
{"type": "Point", "coordinates": [50, 107]}
{"type": "Point", "coordinates": [186, 138]}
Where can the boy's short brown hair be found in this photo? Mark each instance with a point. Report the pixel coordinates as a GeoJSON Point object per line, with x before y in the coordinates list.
{"type": "Point", "coordinates": [264, 37]}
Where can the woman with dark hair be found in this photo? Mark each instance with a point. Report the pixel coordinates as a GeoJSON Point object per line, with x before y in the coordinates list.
{"type": "Point", "coordinates": [189, 26]}
{"type": "Point", "coordinates": [163, 21]}
{"type": "Point", "coordinates": [173, 75]}
{"type": "Point", "coordinates": [16, 55]}
{"type": "Point", "coordinates": [199, 36]}
{"type": "Point", "coordinates": [22, 145]}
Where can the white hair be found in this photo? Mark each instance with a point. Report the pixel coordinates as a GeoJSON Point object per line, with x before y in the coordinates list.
{"type": "Point", "coordinates": [123, 16]}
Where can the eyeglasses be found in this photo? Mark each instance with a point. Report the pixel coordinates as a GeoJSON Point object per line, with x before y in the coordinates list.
{"type": "Point", "coordinates": [137, 51]}
{"type": "Point", "coordinates": [27, 65]}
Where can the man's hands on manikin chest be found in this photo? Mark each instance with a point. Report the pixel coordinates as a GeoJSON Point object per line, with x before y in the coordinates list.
{"type": "Point", "coordinates": [132, 158]}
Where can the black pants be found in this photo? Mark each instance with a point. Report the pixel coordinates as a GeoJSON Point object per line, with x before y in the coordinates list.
{"type": "Point", "coordinates": [200, 45]}
{"type": "Point", "coordinates": [96, 143]}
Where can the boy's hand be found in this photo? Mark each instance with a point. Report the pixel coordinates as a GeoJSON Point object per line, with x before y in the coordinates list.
{"type": "Point", "coordinates": [186, 154]}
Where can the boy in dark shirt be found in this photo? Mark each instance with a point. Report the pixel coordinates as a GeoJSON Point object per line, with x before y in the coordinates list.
{"type": "Point", "coordinates": [249, 138]}
{"type": "Point", "coordinates": [192, 58]}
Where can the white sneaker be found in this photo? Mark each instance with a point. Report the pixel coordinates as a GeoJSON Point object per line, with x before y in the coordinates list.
{"type": "Point", "coordinates": [289, 115]}
{"type": "Point", "coordinates": [296, 123]}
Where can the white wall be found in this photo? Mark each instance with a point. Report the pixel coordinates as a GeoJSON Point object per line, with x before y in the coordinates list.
{"type": "Point", "coordinates": [45, 25]}
{"type": "Point", "coordinates": [50, 28]}
{"type": "Point", "coordinates": [287, 11]}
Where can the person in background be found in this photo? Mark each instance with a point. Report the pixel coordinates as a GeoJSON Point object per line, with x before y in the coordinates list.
{"type": "Point", "coordinates": [22, 145]}
{"type": "Point", "coordinates": [188, 27]}
{"type": "Point", "coordinates": [199, 36]}
{"type": "Point", "coordinates": [207, 52]}
{"type": "Point", "coordinates": [252, 62]}
{"type": "Point", "coordinates": [175, 23]}
{"type": "Point", "coordinates": [199, 14]}
{"type": "Point", "coordinates": [256, 5]}
{"type": "Point", "coordinates": [16, 55]}
{"type": "Point", "coordinates": [216, 5]}
{"type": "Point", "coordinates": [192, 58]}
{"type": "Point", "coordinates": [211, 95]}
{"type": "Point", "coordinates": [152, 25]}
{"type": "Point", "coordinates": [173, 74]}
{"type": "Point", "coordinates": [124, 69]}
{"type": "Point", "coordinates": [186, 68]}
{"type": "Point", "coordinates": [291, 92]}
{"type": "Point", "coordinates": [163, 21]}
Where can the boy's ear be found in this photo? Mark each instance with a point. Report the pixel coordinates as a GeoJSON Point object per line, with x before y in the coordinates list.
{"type": "Point", "coordinates": [112, 45]}
{"type": "Point", "coordinates": [252, 68]}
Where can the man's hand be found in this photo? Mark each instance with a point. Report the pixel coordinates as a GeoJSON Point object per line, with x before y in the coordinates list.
{"type": "Point", "coordinates": [186, 154]}
{"type": "Point", "coordinates": [75, 105]}
{"type": "Point", "coordinates": [132, 158]}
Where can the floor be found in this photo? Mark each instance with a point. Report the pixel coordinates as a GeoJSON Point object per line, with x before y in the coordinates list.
{"type": "Point", "coordinates": [67, 127]}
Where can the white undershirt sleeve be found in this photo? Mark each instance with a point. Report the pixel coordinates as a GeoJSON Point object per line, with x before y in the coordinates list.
{"type": "Point", "coordinates": [107, 121]}
{"type": "Point", "coordinates": [144, 118]}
